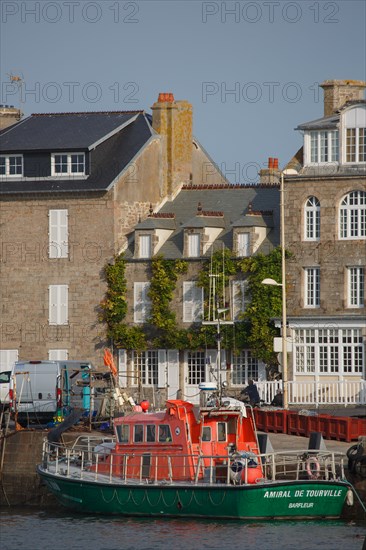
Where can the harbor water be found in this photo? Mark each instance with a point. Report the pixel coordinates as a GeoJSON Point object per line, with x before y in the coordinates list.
{"type": "Point", "coordinates": [26, 529]}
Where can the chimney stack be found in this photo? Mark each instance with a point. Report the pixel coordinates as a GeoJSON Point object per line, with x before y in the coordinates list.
{"type": "Point", "coordinates": [338, 92]}
{"type": "Point", "coordinates": [270, 175]}
{"type": "Point", "coordinates": [9, 115]}
{"type": "Point", "coordinates": [173, 121]}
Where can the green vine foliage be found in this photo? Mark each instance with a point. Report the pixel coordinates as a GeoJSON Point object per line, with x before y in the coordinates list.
{"type": "Point", "coordinates": [255, 330]}
{"type": "Point", "coordinates": [265, 303]}
{"type": "Point", "coordinates": [164, 276]}
{"type": "Point", "coordinates": [114, 307]}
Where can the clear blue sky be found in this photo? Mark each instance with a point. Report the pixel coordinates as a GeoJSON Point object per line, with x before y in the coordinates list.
{"type": "Point", "coordinates": [251, 69]}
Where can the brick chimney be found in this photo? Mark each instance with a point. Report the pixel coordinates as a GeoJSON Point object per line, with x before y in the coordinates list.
{"type": "Point", "coordinates": [173, 121]}
{"type": "Point", "coordinates": [270, 175]}
{"type": "Point", "coordinates": [9, 115]}
{"type": "Point", "coordinates": [338, 92]}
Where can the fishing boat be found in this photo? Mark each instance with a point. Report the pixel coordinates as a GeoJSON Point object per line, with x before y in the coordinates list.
{"type": "Point", "coordinates": [190, 461]}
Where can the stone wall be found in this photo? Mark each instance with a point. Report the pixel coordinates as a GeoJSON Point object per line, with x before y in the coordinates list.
{"type": "Point", "coordinates": [330, 253]}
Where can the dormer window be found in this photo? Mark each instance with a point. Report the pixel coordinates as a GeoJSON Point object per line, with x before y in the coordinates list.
{"type": "Point", "coordinates": [11, 165]}
{"type": "Point", "coordinates": [324, 146]}
{"type": "Point", "coordinates": [68, 164]}
{"type": "Point", "coordinates": [356, 145]}
{"type": "Point", "coordinates": [194, 245]}
{"type": "Point", "coordinates": [145, 247]}
{"type": "Point", "coordinates": [243, 246]}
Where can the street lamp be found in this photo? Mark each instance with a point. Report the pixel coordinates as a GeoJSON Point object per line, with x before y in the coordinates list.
{"type": "Point", "coordinates": [283, 285]}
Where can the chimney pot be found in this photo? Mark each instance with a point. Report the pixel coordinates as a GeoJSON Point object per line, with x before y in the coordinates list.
{"type": "Point", "coordinates": [270, 162]}
{"type": "Point", "coordinates": [275, 164]}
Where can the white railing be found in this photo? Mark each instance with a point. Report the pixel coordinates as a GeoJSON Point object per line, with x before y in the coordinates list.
{"type": "Point", "coordinates": [345, 392]}
{"type": "Point", "coordinates": [81, 462]}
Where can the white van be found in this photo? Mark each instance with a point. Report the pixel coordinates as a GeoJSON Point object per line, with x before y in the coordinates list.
{"type": "Point", "coordinates": [5, 389]}
{"type": "Point", "coordinates": [42, 390]}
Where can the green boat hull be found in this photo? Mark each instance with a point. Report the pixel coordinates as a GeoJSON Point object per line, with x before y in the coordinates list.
{"type": "Point", "coordinates": [277, 500]}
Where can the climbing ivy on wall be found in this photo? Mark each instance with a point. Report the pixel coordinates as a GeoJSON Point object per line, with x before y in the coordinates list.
{"type": "Point", "coordinates": [255, 330]}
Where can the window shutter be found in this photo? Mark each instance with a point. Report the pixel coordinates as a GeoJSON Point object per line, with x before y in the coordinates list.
{"type": "Point", "coordinates": [162, 374]}
{"type": "Point", "coordinates": [192, 302]}
{"type": "Point", "coordinates": [173, 373]}
{"type": "Point", "coordinates": [122, 368]}
{"type": "Point", "coordinates": [187, 302]}
{"type": "Point", "coordinates": [58, 234]}
{"type": "Point", "coordinates": [52, 305]}
{"type": "Point", "coordinates": [194, 245]}
{"type": "Point", "coordinates": [58, 354]}
{"type": "Point", "coordinates": [145, 246]}
{"type": "Point", "coordinates": [239, 289]}
{"type": "Point", "coordinates": [64, 313]}
{"type": "Point", "coordinates": [58, 304]}
{"type": "Point", "coordinates": [141, 302]}
{"type": "Point", "coordinates": [243, 244]}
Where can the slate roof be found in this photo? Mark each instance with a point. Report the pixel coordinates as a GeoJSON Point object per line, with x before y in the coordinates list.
{"type": "Point", "coordinates": [114, 151]}
{"type": "Point", "coordinates": [60, 131]}
{"type": "Point", "coordinates": [234, 201]}
{"type": "Point", "coordinates": [329, 122]}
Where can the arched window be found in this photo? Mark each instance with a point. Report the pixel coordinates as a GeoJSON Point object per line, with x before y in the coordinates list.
{"type": "Point", "coordinates": [352, 216]}
{"type": "Point", "coordinates": [312, 219]}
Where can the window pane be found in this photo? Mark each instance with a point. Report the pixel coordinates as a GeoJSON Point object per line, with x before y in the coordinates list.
{"type": "Point", "coordinates": [138, 434]}
{"type": "Point", "coordinates": [196, 367]}
{"type": "Point", "coordinates": [61, 164]}
{"type": "Point", "coordinates": [164, 433]}
{"type": "Point", "coordinates": [150, 433]}
{"type": "Point", "coordinates": [351, 145]}
{"type": "Point", "coordinates": [77, 164]}
{"type": "Point", "coordinates": [362, 145]}
{"type": "Point", "coordinates": [2, 166]}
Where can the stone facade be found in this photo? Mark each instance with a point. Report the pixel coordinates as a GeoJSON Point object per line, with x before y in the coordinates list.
{"type": "Point", "coordinates": [98, 226]}
{"type": "Point", "coordinates": [328, 339]}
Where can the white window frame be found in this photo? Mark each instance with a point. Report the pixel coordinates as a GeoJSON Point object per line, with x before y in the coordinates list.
{"type": "Point", "coordinates": [194, 245]}
{"type": "Point", "coordinates": [69, 164]}
{"type": "Point", "coordinates": [355, 287]}
{"type": "Point", "coordinates": [239, 291]}
{"type": "Point", "coordinates": [245, 367]}
{"type": "Point", "coordinates": [58, 296]}
{"type": "Point", "coordinates": [141, 302]}
{"type": "Point", "coordinates": [312, 219]}
{"type": "Point", "coordinates": [58, 245]}
{"type": "Point", "coordinates": [7, 166]}
{"type": "Point", "coordinates": [323, 146]}
{"type": "Point", "coordinates": [243, 244]}
{"type": "Point", "coordinates": [145, 246]}
{"type": "Point", "coordinates": [312, 287]}
{"type": "Point", "coordinates": [145, 368]}
{"type": "Point", "coordinates": [352, 216]}
{"type": "Point", "coordinates": [192, 302]}
{"type": "Point", "coordinates": [58, 354]}
{"type": "Point", "coordinates": [328, 351]}
{"type": "Point", "coordinates": [358, 142]}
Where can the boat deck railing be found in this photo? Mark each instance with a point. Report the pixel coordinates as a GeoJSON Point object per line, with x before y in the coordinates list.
{"type": "Point", "coordinates": [94, 459]}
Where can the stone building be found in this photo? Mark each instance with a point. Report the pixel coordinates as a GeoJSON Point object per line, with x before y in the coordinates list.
{"type": "Point", "coordinates": [72, 186]}
{"type": "Point", "coordinates": [325, 230]}
{"type": "Point", "coordinates": [198, 221]}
